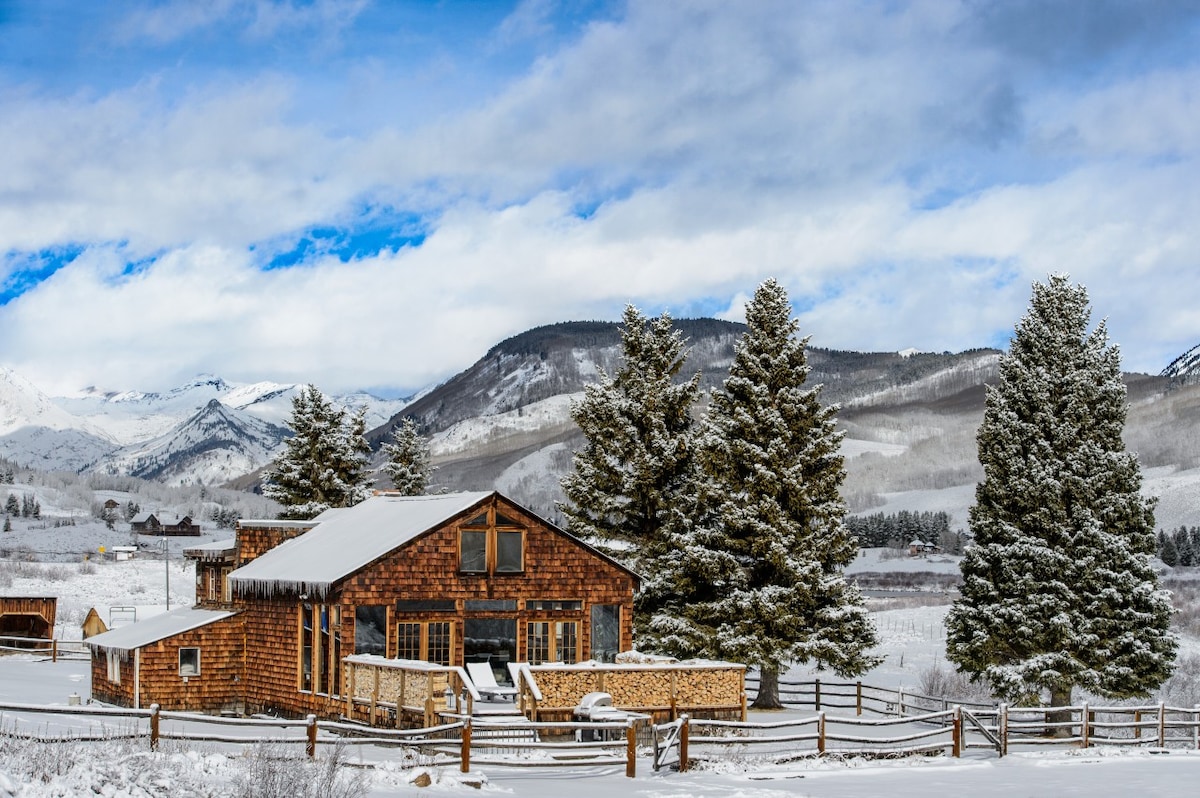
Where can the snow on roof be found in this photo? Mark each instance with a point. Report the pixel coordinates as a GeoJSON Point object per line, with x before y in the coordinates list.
{"type": "Point", "coordinates": [214, 550]}
{"type": "Point", "coordinates": [349, 539]}
{"type": "Point", "coordinates": [143, 633]}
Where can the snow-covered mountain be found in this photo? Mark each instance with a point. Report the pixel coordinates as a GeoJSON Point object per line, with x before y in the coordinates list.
{"type": "Point", "coordinates": [1186, 367]}
{"type": "Point", "coordinates": [35, 432]}
{"type": "Point", "coordinates": [213, 446]}
{"type": "Point", "coordinates": [204, 431]}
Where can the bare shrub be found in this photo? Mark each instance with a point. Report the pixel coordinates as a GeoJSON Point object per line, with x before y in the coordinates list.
{"type": "Point", "coordinates": [940, 681]}
{"type": "Point", "coordinates": [87, 568]}
{"type": "Point", "coordinates": [274, 771]}
{"type": "Point", "coordinates": [1182, 689]}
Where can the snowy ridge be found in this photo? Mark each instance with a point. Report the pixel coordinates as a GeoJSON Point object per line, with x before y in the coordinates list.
{"type": "Point", "coordinates": [939, 384]}
{"type": "Point", "coordinates": [215, 445]}
{"type": "Point", "coordinates": [1186, 366]}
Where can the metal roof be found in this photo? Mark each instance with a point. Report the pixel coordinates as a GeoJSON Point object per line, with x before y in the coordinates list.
{"type": "Point", "coordinates": [151, 630]}
{"type": "Point", "coordinates": [349, 539]}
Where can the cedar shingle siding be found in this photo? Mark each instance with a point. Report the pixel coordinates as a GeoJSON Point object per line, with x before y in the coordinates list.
{"type": "Point", "coordinates": [255, 662]}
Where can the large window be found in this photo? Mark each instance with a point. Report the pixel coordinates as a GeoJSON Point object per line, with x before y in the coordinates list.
{"type": "Point", "coordinates": [553, 641]}
{"type": "Point", "coordinates": [491, 543]}
{"type": "Point", "coordinates": [370, 630]}
{"type": "Point", "coordinates": [606, 632]}
{"type": "Point", "coordinates": [431, 641]}
{"type": "Point", "coordinates": [321, 648]}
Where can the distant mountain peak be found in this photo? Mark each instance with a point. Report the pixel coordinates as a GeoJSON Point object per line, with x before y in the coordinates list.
{"type": "Point", "coordinates": [1185, 367]}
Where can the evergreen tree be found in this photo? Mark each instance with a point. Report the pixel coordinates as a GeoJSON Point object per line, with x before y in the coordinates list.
{"type": "Point", "coordinates": [1167, 552]}
{"type": "Point", "coordinates": [12, 505]}
{"type": "Point", "coordinates": [1058, 590]}
{"type": "Point", "coordinates": [324, 464]}
{"type": "Point", "coordinates": [407, 459]}
{"type": "Point", "coordinates": [7, 523]}
{"type": "Point", "coordinates": [770, 527]}
{"type": "Point", "coordinates": [627, 491]}
{"type": "Point", "coordinates": [1183, 545]}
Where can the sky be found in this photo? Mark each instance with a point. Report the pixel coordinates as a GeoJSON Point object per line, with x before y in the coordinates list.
{"type": "Point", "coordinates": [369, 195]}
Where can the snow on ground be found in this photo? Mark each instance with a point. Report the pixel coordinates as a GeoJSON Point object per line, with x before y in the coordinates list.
{"type": "Point", "coordinates": [884, 560]}
{"type": "Point", "coordinates": [912, 641]}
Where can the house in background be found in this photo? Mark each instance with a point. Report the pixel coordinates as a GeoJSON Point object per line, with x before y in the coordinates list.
{"type": "Point", "coordinates": [160, 524]}
{"type": "Point", "coordinates": [145, 523]}
{"type": "Point", "coordinates": [448, 579]}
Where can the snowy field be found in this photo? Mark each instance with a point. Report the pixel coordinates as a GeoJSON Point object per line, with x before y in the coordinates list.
{"type": "Point", "coordinates": [912, 642]}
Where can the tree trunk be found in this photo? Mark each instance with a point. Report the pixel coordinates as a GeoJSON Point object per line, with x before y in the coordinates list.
{"type": "Point", "coordinates": [1060, 696]}
{"type": "Point", "coordinates": [768, 690]}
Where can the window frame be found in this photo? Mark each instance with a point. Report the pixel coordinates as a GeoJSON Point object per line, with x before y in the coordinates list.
{"type": "Point", "coordinates": [196, 655]}
{"type": "Point", "coordinates": [491, 525]}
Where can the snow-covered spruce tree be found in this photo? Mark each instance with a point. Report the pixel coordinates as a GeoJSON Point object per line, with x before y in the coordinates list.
{"type": "Point", "coordinates": [1058, 591]}
{"type": "Point", "coordinates": [771, 502]}
{"type": "Point", "coordinates": [407, 459]}
{"type": "Point", "coordinates": [626, 492]}
{"type": "Point", "coordinates": [324, 464]}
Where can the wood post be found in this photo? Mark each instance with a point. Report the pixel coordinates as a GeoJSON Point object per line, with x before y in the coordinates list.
{"type": "Point", "coordinates": [1137, 724]}
{"type": "Point", "coordinates": [858, 698]}
{"type": "Point", "coordinates": [1196, 725]}
{"type": "Point", "coordinates": [466, 745]}
{"type": "Point", "coordinates": [1084, 727]}
{"type": "Point", "coordinates": [54, 649]}
{"type": "Point", "coordinates": [1002, 724]}
{"type": "Point", "coordinates": [429, 711]}
{"type": "Point", "coordinates": [1162, 725]}
{"type": "Point", "coordinates": [817, 694]}
{"type": "Point", "coordinates": [957, 729]}
{"type": "Point", "coordinates": [154, 727]}
{"type": "Point", "coordinates": [684, 722]}
{"type": "Point", "coordinates": [821, 733]}
{"type": "Point", "coordinates": [310, 744]}
{"type": "Point", "coordinates": [630, 750]}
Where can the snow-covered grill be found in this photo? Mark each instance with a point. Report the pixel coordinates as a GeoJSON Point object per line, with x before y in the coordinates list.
{"type": "Point", "coordinates": [598, 708]}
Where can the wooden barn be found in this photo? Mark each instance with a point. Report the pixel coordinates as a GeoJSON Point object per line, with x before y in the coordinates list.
{"type": "Point", "coordinates": [27, 616]}
{"type": "Point", "coordinates": [447, 579]}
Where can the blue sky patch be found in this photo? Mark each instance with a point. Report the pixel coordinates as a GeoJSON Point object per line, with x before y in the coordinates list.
{"type": "Point", "coordinates": [350, 243]}
{"type": "Point", "coordinates": [28, 269]}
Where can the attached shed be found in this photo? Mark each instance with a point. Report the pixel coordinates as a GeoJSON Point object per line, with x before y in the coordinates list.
{"type": "Point", "coordinates": [28, 617]}
{"type": "Point", "coordinates": [186, 659]}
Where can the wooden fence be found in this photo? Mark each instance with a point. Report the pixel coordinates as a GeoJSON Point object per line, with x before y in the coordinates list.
{"type": "Point", "coordinates": [461, 741]}
{"type": "Point", "coordinates": [53, 647]}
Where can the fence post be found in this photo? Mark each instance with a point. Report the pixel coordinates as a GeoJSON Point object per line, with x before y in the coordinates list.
{"type": "Point", "coordinates": [1083, 725]}
{"type": "Point", "coordinates": [958, 732]}
{"type": "Point", "coordinates": [466, 745]}
{"type": "Point", "coordinates": [1002, 723]}
{"type": "Point", "coordinates": [1196, 725]}
{"type": "Point", "coordinates": [154, 727]}
{"type": "Point", "coordinates": [1162, 725]}
{"type": "Point", "coordinates": [817, 694]}
{"type": "Point", "coordinates": [1137, 724]}
{"type": "Point", "coordinates": [54, 649]}
{"type": "Point", "coordinates": [630, 750]}
{"type": "Point", "coordinates": [900, 702]}
{"type": "Point", "coordinates": [858, 698]}
{"type": "Point", "coordinates": [684, 722]}
{"type": "Point", "coordinates": [310, 744]}
{"type": "Point", "coordinates": [820, 733]}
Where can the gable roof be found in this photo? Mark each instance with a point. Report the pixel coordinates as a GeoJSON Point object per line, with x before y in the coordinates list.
{"type": "Point", "coordinates": [348, 539]}
{"type": "Point", "coordinates": [151, 630]}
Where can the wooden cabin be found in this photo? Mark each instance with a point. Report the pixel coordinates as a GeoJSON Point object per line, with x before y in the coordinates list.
{"type": "Point", "coordinates": [27, 616]}
{"type": "Point", "coordinates": [447, 579]}
{"type": "Point", "coordinates": [145, 523]}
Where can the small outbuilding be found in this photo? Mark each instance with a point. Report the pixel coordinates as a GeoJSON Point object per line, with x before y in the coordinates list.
{"type": "Point", "coordinates": [28, 617]}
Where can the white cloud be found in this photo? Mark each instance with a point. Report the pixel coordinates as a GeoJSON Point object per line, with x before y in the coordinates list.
{"type": "Point", "coordinates": [677, 155]}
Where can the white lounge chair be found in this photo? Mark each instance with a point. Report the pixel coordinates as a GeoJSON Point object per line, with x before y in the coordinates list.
{"type": "Point", "coordinates": [485, 682]}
